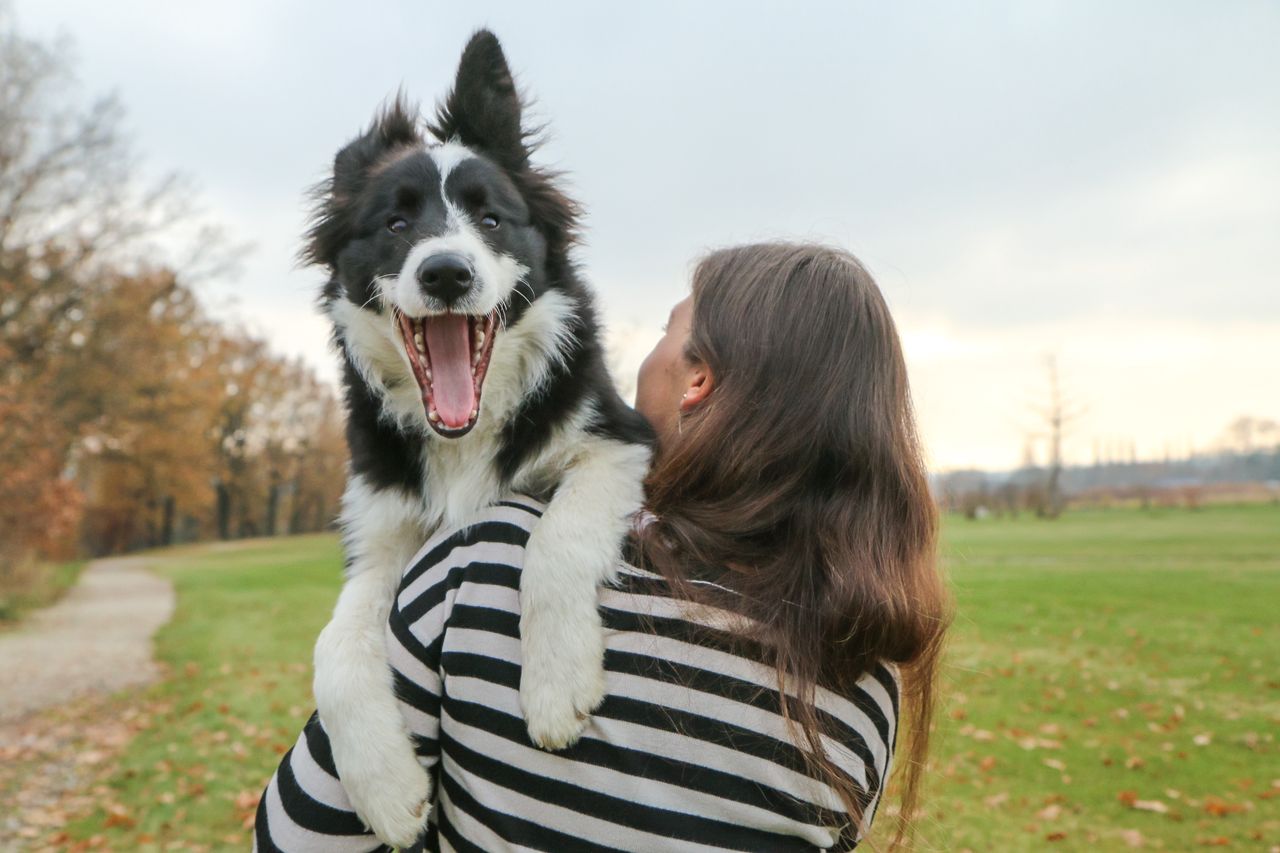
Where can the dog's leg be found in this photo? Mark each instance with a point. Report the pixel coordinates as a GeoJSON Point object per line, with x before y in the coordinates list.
{"type": "Point", "coordinates": [572, 550]}
{"type": "Point", "coordinates": [353, 686]}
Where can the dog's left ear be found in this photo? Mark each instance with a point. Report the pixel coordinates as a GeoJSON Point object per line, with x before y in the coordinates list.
{"type": "Point", "coordinates": [484, 110]}
{"type": "Point", "coordinates": [332, 221]}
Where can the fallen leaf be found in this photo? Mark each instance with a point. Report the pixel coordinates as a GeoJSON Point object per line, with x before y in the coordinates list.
{"type": "Point", "coordinates": [247, 799]}
{"type": "Point", "coordinates": [1055, 836]}
{"type": "Point", "coordinates": [1132, 837]}
{"type": "Point", "coordinates": [1218, 807]}
{"type": "Point", "coordinates": [117, 815]}
{"type": "Point", "coordinates": [1052, 812]}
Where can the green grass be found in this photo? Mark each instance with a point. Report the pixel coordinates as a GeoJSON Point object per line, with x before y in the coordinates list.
{"type": "Point", "coordinates": [29, 588]}
{"type": "Point", "coordinates": [1107, 658]}
{"type": "Point", "coordinates": [239, 650]}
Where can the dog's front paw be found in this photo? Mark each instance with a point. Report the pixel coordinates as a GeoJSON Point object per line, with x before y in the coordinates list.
{"type": "Point", "coordinates": [392, 795]}
{"type": "Point", "coordinates": [562, 678]}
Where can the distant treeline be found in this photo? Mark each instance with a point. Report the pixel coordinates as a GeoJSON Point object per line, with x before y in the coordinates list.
{"type": "Point", "coordinates": [129, 416]}
{"type": "Point", "coordinates": [1251, 472]}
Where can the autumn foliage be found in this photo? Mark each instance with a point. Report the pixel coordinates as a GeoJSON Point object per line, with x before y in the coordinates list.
{"type": "Point", "coordinates": [129, 415]}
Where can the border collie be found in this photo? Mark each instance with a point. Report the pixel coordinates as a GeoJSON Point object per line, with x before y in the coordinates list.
{"type": "Point", "coordinates": [472, 367]}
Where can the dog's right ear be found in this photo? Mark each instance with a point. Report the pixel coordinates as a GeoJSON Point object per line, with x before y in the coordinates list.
{"type": "Point", "coordinates": [396, 126]}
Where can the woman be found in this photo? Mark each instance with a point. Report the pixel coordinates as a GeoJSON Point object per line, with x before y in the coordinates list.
{"type": "Point", "coordinates": [781, 596]}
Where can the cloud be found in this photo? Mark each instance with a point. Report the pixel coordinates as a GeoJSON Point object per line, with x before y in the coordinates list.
{"type": "Point", "coordinates": [1094, 178]}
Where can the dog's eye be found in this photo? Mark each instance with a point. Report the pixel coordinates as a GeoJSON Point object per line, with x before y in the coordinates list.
{"type": "Point", "coordinates": [490, 221]}
{"type": "Point", "coordinates": [396, 224]}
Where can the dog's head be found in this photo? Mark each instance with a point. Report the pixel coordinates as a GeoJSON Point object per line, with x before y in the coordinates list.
{"type": "Point", "coordinates": [445, 235]}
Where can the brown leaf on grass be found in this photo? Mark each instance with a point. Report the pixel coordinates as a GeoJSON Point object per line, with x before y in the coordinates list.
{"type": "Point", "coordinates": [248, 799]}
{"type": "Point", "coordinates": [977, 734]}
{"type": "Point", "coordinates": [987, 763]}
{"type": "Point", "coordinates": [1133, 762]}
{"type": "Point", "coordinates": [1219, 807]}
{"type": "Point", "coordinates": [118, 815]}
{"type": "Point", "coordinates": [1054, 764]}
{"type": "Point", "coordinates": [1132, 838]}
{"type": "Point", "coordinates": [1052, 812]}
{"type": "Point", "coordinates": [1055, 836]}
{"type": "Point", "coordinates": [1029, 743]}
{"type": "Point", "coordinates": [995, 800]}
{"type": "Point", "coordinates": [1216, 841]}
{"type": "Point", "coordinates": [1156, 806]}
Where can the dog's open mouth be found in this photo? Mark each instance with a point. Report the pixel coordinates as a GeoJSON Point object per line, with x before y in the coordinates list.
{"type": "Point", "coordinates": [450, 356]}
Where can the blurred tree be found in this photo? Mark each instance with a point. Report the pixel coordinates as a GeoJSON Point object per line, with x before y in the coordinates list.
{"type": "Point", "coordinates": [1249, 434]}
{"type": "Point", "coordinates": [119, 395]}
{"type": "Point", "coordinates": [143, 395]}
{"type": "Point", "coordinates": [1057, 412]}
{"type": "Point", "coordinates": [39, 509]}
{"type": "Point", "coordinates": [279, 440]}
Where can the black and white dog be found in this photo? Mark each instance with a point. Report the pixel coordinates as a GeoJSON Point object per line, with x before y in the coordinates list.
{"type": "Point", "coordinates": [473, 367]}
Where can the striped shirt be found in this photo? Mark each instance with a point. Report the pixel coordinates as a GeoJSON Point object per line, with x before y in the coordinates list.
{"type": "Point", "coordinates": [689, 750]}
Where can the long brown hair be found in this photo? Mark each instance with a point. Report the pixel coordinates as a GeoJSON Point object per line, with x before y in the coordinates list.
{"type": "Point", "coordinates": [803, 472]}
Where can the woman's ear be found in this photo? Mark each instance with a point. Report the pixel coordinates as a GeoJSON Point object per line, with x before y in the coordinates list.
{"type": "Point", "coordinates": [700, 385]}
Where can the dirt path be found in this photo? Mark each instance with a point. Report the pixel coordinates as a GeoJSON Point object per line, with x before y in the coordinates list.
{"type": "Point", "coordinates": [96, 640]}
{"type": "Point", "coordinates": [58, 731]}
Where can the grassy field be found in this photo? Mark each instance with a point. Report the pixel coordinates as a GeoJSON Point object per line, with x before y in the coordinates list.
{"type": "Point", "coordinates": [1113, 682]}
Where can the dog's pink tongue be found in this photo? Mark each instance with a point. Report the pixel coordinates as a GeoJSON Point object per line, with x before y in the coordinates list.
{"type": "Point", "coordinates": [449, 346]}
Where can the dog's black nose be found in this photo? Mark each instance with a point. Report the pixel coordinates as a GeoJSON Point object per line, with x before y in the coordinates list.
{"type": "Point", "coordinates": [446, 276]}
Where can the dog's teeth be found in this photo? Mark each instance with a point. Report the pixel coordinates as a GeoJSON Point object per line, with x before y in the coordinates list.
{"type": "Point", "coordinates": [475, 413]}
{"type": "Point", "coordinates": [418, 342]}
{"type": "Point", "coordinates": [479, 339]}
{"type": "Point", "coordinates": [424, 364]}
{"type": "Point", "coordinates": [474, 370]}
{"type": "Point", "coordinates": [435, 418]}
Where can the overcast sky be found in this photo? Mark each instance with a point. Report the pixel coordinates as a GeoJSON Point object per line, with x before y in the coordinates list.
{"type": "Point", "coordinates": [1091, 179]}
